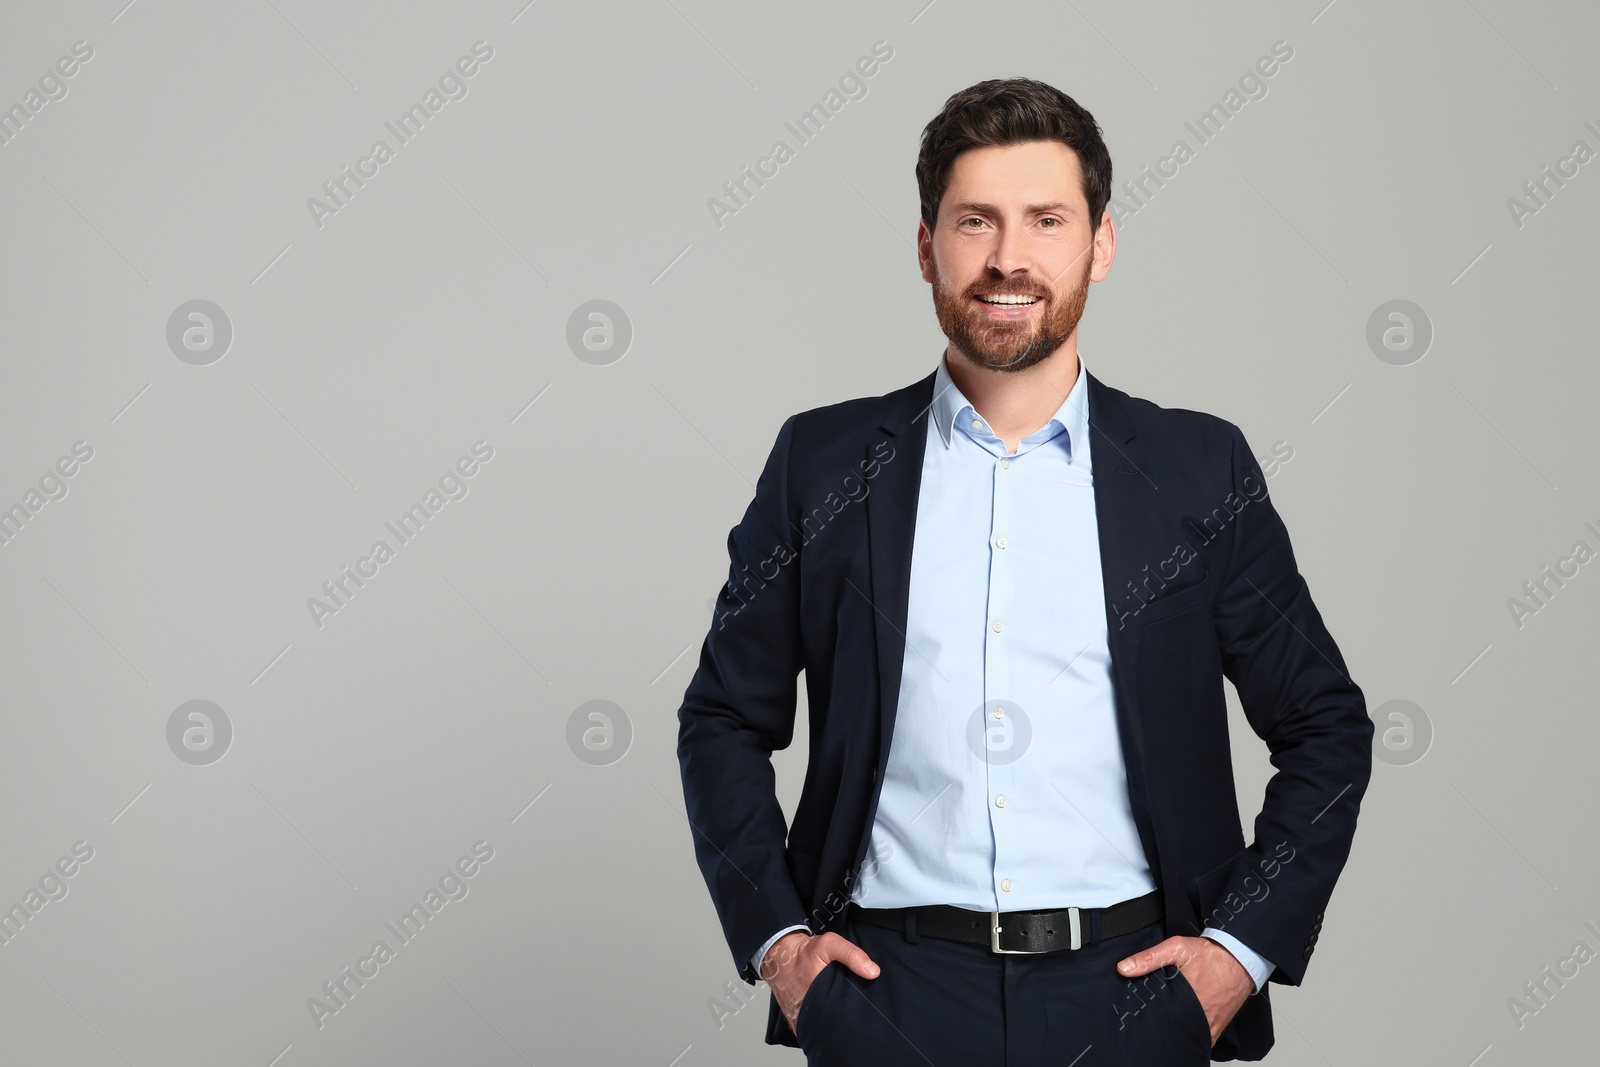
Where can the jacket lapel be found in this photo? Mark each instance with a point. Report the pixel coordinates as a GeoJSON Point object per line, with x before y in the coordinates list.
{"type": "Point", "coordinates": [891, 527]}
{"type": "Point", "coordinates": [1125, 500]}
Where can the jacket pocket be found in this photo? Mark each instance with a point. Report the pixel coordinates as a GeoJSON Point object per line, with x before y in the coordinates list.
{"type": "Point", "coordinates": [1171, 603]}
{"type": "Point", "coordinates": [803, 868]}
{"type": "Point", "coordinates": [1208, 884]}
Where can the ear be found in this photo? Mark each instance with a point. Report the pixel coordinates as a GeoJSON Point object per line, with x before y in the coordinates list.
{"type": "Point", "coordinates": [925, 251]}
{"type": "Point", "coordinates": [1105, 248]}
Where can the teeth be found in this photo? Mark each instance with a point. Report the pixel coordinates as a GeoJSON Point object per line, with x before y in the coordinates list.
{"type": "Point", "coordinates": [1008, 299]}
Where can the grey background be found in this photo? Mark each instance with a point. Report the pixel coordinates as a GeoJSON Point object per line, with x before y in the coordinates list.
{"type": "Point", "coordinates": [431, 312]}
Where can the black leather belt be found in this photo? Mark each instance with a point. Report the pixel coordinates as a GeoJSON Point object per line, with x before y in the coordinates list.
{"type": "Point", "coordinates": [1014, 932]}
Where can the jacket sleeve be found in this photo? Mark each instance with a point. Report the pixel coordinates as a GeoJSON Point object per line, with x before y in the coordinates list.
{"type": "Point", "coordinates": [1298, 697]}
{"type": "Point", "coordinates": [739, 707]}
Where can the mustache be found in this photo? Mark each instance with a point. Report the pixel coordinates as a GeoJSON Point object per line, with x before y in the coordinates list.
{"type": "Point", "coordinates": [1003, 290]}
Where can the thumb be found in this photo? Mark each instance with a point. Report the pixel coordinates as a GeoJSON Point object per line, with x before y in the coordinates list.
{"type": "Point", "coordinates": [1158, 955]}
{"type": "Point", "coordinates": [855, 957]}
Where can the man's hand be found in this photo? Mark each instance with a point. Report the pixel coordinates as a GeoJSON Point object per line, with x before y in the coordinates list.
{"type": "Point", "coordinates": [797, 957]}
{"type": "Point", "coordinates": [1218, 979]}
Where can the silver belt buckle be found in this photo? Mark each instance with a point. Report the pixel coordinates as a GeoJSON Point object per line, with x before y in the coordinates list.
{"type": "Point", "coordinates": [1074, 925]}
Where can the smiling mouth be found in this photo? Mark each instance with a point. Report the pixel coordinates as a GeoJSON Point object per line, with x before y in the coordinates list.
{"type": "Point", "coordinates": [1008, 300]}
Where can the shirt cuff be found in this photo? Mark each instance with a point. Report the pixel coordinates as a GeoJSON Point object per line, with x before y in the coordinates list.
{"type": "Point", "coordinates": [755, 961]}
{"type": "Point", "coordinates": [1258, 967]}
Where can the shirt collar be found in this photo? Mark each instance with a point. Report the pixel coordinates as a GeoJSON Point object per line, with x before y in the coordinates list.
{"type": "Point", "coordinates": [949, 404]}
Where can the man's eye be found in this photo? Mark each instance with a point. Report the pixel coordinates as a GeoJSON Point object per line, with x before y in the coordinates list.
{"type": "Point", "coordinates": [977, 220]}
{"type": "Point", "coordinates": [1053, 222]}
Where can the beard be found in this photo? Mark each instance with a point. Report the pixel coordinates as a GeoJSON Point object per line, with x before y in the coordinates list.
{"type": "Point", "coordinates": [1010, 344]}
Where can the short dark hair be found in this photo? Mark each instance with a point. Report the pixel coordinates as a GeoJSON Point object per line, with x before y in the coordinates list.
{"type": "Point", "coordinates": [1011, 111]}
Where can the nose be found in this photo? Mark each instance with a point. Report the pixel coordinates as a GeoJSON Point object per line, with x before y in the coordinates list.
{"type": "Point", "coordinates": [1009, 253]}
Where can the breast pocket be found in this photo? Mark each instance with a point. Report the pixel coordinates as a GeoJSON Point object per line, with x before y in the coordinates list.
{"type": "Point", "coordinates": [1176, 601]}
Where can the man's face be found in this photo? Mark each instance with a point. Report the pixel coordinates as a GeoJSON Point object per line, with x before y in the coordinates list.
{"type": "Point", "coordinates": [1013, 224]}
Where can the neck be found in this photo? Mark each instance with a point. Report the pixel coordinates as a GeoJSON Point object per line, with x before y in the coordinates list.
{"type": "Point", "coordinates": [1016, 403]}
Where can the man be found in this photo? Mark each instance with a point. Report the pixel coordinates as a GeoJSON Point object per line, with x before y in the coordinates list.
{"type": "Point", "coordinates": [1015, 592]}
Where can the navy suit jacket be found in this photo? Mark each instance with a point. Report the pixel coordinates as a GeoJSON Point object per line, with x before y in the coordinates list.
{"type": "Point", "coordinates": [1200, 584]}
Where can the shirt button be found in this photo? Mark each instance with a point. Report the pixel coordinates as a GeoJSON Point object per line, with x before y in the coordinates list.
{"type": "Point", "coordinates": [1005, 885]}
{"type": "Point", "coordinates": [977, 424]}
{"type": "Point", "coordinates": [1000, 801]}
{"type": "Point", "coordinates": [1000, 542]}
{"type": "Point", "coordinates": [998, 626]}
{"type": "Point", "coordinates": [999, 713]}
{"type": "Point", "coordinates": [1005, 463]}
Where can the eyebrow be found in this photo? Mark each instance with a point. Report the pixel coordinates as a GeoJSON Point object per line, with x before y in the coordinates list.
{"type": "Point", "coordinates": [1031, 209]}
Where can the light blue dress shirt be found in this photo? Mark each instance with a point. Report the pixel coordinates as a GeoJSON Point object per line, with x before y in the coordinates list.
{"type": "Point", "coordinates": [1005, 787]}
